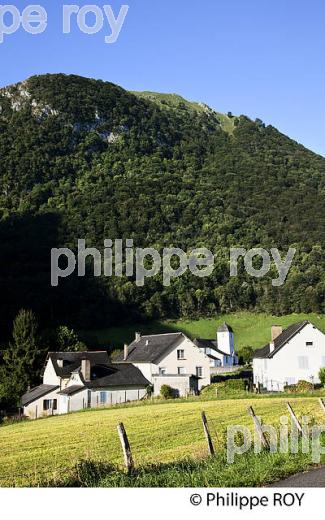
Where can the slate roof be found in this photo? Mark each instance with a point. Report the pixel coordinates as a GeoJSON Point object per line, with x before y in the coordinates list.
{"type": "Point", "coordinates": [280, 341]}
{"type": "Point", "coordinates": [70, 390]}
{"type": "Point", "coordinates": [72, 361]}
{"type": "Point", "coordinates": [225, 328]}
{"type": "Point", "coordinates": [36, 393]}
{"type": "Point", "coordinates": [103, 373]}
{"type": "Point", "coordinates": [116, 374]}
{"type": "Point", "coordinates": [150, 349]}
{"type": "Point", "coordinates": [209, 343]}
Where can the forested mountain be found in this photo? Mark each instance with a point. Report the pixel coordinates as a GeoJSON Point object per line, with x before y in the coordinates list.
{"type": "Point", "coordinates": [86, 159]}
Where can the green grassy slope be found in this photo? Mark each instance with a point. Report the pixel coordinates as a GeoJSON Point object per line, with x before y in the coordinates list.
{"type": "Point", "coordinates": [48, 450]}
{"type": "Point", "coordinates": [174, 101]}
{"type": "Point", "coordinates": [250, 329]}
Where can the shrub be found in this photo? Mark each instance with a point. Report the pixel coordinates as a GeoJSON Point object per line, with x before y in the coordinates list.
{"type": "Point", "coordinates": [246, 355]}
{"type": "Point", "coordinates": [305, 386]}
{"type": "Point", "coordinates": [321, 375]}
{"type": "Point", "coordinates": [166, 392]}
{"type": "Point", "coordinates": [228, 388]}
{"type": "Point", "coordinates": [236, 384]}
{"type": "Point", "coordinates": [302, 387]}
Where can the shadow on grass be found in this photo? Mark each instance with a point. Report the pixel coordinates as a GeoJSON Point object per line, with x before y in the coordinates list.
{"type": "Point", "coordinates": [248, 470]}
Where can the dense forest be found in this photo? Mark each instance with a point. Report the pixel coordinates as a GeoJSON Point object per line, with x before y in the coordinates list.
{"type": "Point", "coordinates": [86, 159]}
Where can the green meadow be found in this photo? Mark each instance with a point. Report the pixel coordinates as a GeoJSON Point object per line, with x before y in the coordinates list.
{"type": "Point", "coordinates": [250, 329]}
{"type": "Point", "coordinates": [167, 441]}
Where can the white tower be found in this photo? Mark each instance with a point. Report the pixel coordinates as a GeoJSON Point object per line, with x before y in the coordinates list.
{"type": "Point", "coordinates": [226, 341]}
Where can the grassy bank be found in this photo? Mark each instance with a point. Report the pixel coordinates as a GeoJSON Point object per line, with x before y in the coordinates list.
{"type": "Point", "coordinates": [250, 329]}
{"type": "Point", "coordinates": [249, 470]}
{"type": "Point", "coordinates": [48, 451]}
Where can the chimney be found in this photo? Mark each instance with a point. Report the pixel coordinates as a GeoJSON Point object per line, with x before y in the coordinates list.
{"type": "Point", "coordinates": [272, 346]}
{"type": "Point", "coordinates": [60, 363]}
{"type": "Point", "coordinates": [137, 336]}
{"type": "Point", "coordinates": [85, 369]}
{"type": "Point", "coordinates": [276, 330]}
{"type": "Point", "coordinates": [126, 352]}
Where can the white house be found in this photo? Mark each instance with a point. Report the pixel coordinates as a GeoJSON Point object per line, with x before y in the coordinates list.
{"type": "Point", "coordinates": [295, 354]}
{"type": "Point", "coordinates": [73, 381]}
{"type": "Point", "coordinates": [221, 351]}
{"type": "Point", "coordinates": [172, 359]}
{"type": "Point", "coordinates": [76, 380]}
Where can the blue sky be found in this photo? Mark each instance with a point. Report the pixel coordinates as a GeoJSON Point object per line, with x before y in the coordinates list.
{"type": "Point", "coordinates": [262, 58]}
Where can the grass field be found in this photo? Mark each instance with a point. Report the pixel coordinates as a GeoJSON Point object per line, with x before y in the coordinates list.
{"type": "Point", "coordinates": [49, 451]}
{"type": "Point", "coordinates": [250, 329]}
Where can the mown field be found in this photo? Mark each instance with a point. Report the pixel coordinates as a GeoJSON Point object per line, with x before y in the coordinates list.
{"type": "Point", "coordinates": [50, 451]}
{"type": "Point", "coordinates": [250, 329]}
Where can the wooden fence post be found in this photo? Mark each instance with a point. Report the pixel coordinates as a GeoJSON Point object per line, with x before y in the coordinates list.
{"type": "Point", "coordinates": [322, 404]}
{"type": "Point", "coordinates": [258, 428]}
{"type": "Point", "coordinates": [128, 459]}
{"type": "Point", "coordinates": [294, 418]}
{"type": "Point", "coordinates": [207, 434]}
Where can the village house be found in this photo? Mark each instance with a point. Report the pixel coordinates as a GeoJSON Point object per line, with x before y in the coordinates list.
{"type": "Point", "coordinates": [169, 359]}
{"type": "Point", "coordinates": [76, 380]}
{"type": "Point", "coordinates": [221, 351]}
{"type": "Point", "coordinates": [294, 354]}
{"type": "Point", "coordinates": [73, 381]}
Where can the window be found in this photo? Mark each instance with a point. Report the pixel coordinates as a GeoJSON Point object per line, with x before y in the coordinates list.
{"type": "Point", "coordinates": [50, 404]}
{"type": "Point", "coordinates": [103, 397]}
{"type": "Point", "coordinates": [162, 371]}
{"type": "Point", "coordinates": [303, 362]}
{"type": "Point", "coordinates": [180, 354]}
{"type": "Point", "coordinates": [181, 371]}
{"type": "Point", "coordinates": [309, 343]}
{"type": "Point", "coordinates": [199, 371]}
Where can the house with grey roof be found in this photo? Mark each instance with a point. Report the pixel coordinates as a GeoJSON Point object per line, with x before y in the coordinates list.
{"type": "Point", "coordinates": [222, 350]}
{"type": "Point", "coordinates": [169, 359]}
{"type": "Point", "coordinates": [73, 381]}
{"type": "Point", "coordinates": [294, 354]}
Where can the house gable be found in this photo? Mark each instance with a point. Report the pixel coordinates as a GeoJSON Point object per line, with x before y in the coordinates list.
{"type": "Point", "coordinates": [299, 358]}
{"type": "Point", "coordinates": [283, 339]}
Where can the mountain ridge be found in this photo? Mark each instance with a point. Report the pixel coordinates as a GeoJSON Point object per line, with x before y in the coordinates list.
{"type": "Point", "coordinates": [172, 100]}
{"type": "Point", "coordinates": [85, 158]}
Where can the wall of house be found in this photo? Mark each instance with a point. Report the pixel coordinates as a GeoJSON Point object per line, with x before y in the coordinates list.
{"type": "Point", "coordinates": [193, 358]}
{"type": "Point", "coordinates": [35, 409]}
{"type": "Point", "coordinates": [49, 376]}
{"type": "Point", "coordinates": [73, 403]}
{"type": "Point", "coordinates": [226, 342]}
{"type": "Point", "coordinates": [182, 384]}
{"type": "Point", "coordinates": [294, 362]}
{"type": "Point", "coordinates": [213, 362]}
{"type": "Point", "coordinates": [116, 395]}
{"type": "Point", "coordinates": [147, 369]}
